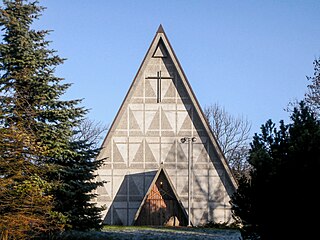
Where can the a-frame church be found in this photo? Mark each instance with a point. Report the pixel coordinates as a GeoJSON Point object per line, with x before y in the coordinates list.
{"type": "Point", "coordinates": [162, 163]}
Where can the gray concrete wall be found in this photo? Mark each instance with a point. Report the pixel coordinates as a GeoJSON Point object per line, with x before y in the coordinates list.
{"type": "Point", "coordinates": [146, 133]}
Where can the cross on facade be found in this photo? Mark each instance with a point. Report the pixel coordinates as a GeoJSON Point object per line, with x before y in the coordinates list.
{"type": "Point", "coordinates": [158, 78]}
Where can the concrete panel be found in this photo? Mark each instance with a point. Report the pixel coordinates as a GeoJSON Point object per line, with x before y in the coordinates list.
{"type": "Point", "coordinates": [105, 172]}
{"type": "Point", "coordinates": [155, 115]}
{"type": "Point", "coordinates": [119, 205]}
{"type": "Point", "coordinates": [104, 199]}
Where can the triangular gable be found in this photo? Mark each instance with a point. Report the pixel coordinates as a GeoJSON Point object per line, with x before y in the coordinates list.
{"type": "Point", "coordinates": [172, 190]}
{"type": "Point", "coordinates": [166, 50]}
{"type": "Point", "coordinates": [161, 51]}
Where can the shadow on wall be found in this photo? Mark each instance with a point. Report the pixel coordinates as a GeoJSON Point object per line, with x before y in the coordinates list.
{"type": "Point", "coordinates": [160, 206]}
{"type": "Point", "coordinates": [129, 197]}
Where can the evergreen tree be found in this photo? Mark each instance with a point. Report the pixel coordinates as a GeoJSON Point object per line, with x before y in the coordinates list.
{"type": "Point", "coordinates": [26, 210]}
{"type": "Point", "coordinates": [30, 97]}
{"type": "Point", "coordinates": [78, 185]}
{"type": "Point", "coordinates": [279, 199]}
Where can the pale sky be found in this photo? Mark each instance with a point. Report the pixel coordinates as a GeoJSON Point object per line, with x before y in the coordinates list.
{"type": "Point", "coordinates": [252, 57]}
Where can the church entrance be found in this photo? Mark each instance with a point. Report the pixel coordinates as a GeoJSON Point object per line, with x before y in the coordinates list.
{"type": "Point", "coordinates": [161, 207]}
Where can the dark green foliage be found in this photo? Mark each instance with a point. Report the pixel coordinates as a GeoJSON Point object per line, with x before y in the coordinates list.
{"type": "Point", "coordinates": [280, 197]}
{"type": "Point", "coordinates": [75, 195]}
{"type": "Point", "coordinates": [31, 97]}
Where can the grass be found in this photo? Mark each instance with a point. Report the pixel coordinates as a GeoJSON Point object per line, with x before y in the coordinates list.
{"type": "Point", "coordinates": [138, 232]}
{"type": "Point", "coordinates": [119, 228]}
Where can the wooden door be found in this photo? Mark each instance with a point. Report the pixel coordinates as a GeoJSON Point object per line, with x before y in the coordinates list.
{"type": "Point", "coordinates": [161, 206]}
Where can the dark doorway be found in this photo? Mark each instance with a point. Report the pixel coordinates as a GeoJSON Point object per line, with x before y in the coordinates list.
{"type": "Point", "coordinates": [161, 206]}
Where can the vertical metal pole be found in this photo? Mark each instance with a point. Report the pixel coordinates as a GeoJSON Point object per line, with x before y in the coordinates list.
{"type": "Point", "coordinates": [158, 86]}
{"type": "Point", "coordinates": [189, 181]}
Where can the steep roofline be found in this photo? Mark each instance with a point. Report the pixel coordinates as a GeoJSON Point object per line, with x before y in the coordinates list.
{"type": "Point", "coordinates": [160, 34]}
{"type": "Point", "coordinates": [160, 29]}
{"type": "Point", "coordinates": [201, 114]}
{"type": "Point", "coordinates": [131, 86]}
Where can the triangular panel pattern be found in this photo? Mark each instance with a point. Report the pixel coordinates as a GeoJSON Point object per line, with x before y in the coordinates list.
{"type": "Point", "coordinates": [133, 149]}
{"type": "Point", "coordinates": [170, 91]}
{"type": "Point", "coordinates": [116, 219]}
{"type": "Point", "coordinates": [165, 123]}
{"type": "Point", "coordinates": [200, 154]}
{"type": "Point", "coordinates": [152, 120]}
{"type": "Point", "coordinates": [134, 188]}
{"type": "Point", "coordinates": [184, 189]}
{"type": "Point", "coordinates": [182, 153]}
{"type": "Point", "coordinates": [123, 123]}
{"type": "Point", "coordinates": [186, 124]}
{"type": "Point", "coordinates": [137, 118]}
{"type": "Point", "coordinates": [169, 155]}
{"type": "Point", "coordinates": [120, 152]}
{"type": "Point", "coordinates": [134, 119]}
{"type": "Point", "coordinates": [101, 190]}
{"type": "Point", "coordinates": [165, 85]}
{"type": "Point", "coordinates": [182, 117]}
{"type": "Point", "coordinates": [138, 156]}
{"type": "Point", "coordinates": [121, 216]}
{"type": "Point", "coordinates": [160, 51]}
{"type": "Point", "coordinates": [158, 111]}
{"type": "Point", "coordinates": [170, 120]}
{"type": "Point", "coordinates": [155, 151]}
{"type": "Point", "coordinates": [149, 154]}
{"type": "Point", "coordinates": [150, 88]}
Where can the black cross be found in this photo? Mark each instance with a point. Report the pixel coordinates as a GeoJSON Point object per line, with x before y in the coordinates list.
{"type": "Point", "coordinates": [159, 77]}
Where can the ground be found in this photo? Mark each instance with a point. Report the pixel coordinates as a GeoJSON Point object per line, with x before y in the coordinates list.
{"type": "Point", "coordinates": [159, 233]}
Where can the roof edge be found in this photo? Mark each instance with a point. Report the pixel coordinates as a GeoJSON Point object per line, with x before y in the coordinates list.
{"type": "Point", "coordinates": [160, 29]}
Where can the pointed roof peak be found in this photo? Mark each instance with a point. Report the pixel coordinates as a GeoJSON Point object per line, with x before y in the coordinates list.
{"type": "Point", "coordinates": [160, 29]}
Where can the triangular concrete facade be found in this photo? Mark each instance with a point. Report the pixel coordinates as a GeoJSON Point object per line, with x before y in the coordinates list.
{"type": "Point", "coordinates": [159, 109]}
